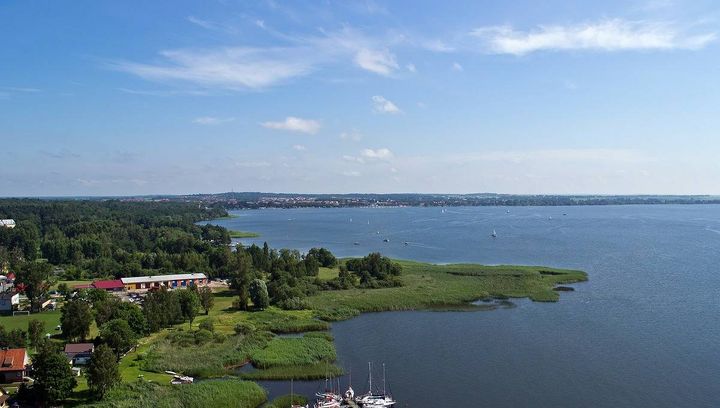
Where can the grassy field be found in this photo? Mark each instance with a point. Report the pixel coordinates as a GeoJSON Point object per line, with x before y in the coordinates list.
{"type": "Point", "coordinates": [243, 234]}
{"type": "Point", "coordinates": [226, 393]}
{"type": "Point", "coordinates": [428, 286]}
{"type": "Point", "coordinates": [327, 274]}
{"type": "Point", "coordinates": [50, 318]}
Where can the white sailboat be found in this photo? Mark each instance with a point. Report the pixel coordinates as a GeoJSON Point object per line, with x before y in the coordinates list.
{"type": "Point", "coordinates": [371, 400]}
{"type": "Point", "coordinates": [494, 234]}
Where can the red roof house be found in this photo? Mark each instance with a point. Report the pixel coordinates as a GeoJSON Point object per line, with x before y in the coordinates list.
{"type": "Point", "coordinates": [111, 285]}
{"type": "Point", "coordinates": [12, 365]}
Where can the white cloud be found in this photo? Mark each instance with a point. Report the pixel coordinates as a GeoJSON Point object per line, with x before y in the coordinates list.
{"type": "Point", "coordinates": [234, 68]}
{"type": "Point", "coordinates": [382, 105]}
{"type": "Point", "coordinates": [411, 67]}
{"type": "Point", "coordinates": [608, 35]}
{"type": "Point", "coordinates": [351, 173]}
{"type": "Point", "coordinates": [377, 154]}
{"type": "Point", "coordinates": [353, 135]}
{"type": "Point", "coordinates": [210, 120]}
{"type": "Point", "coordinates": [294, 124]}
{"type": "Point", "coordinates": [353, 159]}
{"type": "Point", "coordinates": [378, 61]}
{"type": "Point", "coordinates": [299, 148]}
{"type": "Point", "coordinates": [457, 67]}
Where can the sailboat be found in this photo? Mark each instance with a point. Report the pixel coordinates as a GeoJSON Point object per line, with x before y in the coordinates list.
{"type": "Point", "coordinates": [494, 234]}
{"type": "Point", "coordinates": [371, 400]}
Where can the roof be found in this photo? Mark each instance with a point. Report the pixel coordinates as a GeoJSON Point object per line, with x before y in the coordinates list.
{"type": "Point", "coordinates": [163, 278]}
{"type": "Point", "coordinates": [7, 222]}
{"type": "Point", "coordinates": [79, 348]}
{"type": "Point", "coordinates": [12, 359]}
{"type": "Point", "coordinates": [108, 284]}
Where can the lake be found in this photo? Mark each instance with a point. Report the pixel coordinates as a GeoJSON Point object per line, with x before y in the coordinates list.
{"type": "Point", "coordinates": [643, 332]}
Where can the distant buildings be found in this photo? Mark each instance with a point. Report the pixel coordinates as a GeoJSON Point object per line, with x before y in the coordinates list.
{"type": "Point", "coordinates": [14, 363]}
{"type": "Point", "coordinates": [8, 223]}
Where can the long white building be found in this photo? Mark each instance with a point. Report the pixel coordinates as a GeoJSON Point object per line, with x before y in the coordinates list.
{"type": "Point", "coordinates": [8, 223]}
{"type": "Point", "coordinates": [182, 280]}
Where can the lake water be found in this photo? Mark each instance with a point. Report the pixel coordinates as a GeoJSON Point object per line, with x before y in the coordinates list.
{"type": "Point", "coordinates": [643, 332]}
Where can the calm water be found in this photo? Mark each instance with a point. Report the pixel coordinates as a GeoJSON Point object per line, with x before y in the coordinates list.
{"type": "Point", "coordinates": [643, 332]}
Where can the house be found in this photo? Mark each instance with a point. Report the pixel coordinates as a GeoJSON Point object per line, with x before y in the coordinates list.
{"type": "Point", "coordinates": [12, 365]}
{"type": "Point", "coordinates": [79, 353]}
{"type": "Point", "coordinates": [9, 301]}
{"type": "Point", "coordinates": [182, 280]}
{"type": "Point", "coordinates": [109, 285]}
{"type": "Point", "coordinates": [8, 223]}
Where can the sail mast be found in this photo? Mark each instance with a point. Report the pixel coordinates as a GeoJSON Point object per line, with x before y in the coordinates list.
{"type": "Point", "coordinates": [384, 393]}
{"type": "Point", "coordinates": [370, 374]}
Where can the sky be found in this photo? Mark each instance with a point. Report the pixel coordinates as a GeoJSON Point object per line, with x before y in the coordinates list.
{"type": "Point", "coordinates": [174, 97]}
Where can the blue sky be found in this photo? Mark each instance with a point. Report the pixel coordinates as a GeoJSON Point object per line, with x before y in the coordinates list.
{"type": "Point", "coordinates": [138, 97]}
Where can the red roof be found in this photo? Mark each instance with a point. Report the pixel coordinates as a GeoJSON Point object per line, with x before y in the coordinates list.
{"type": "Point", "coordinates": [11, 276]}
{"type": "Point", "coordinates": [12, 360]}
{"type": "Point", "coordinates": [108, 284]}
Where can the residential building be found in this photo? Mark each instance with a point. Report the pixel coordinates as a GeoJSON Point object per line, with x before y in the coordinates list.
{"type": "Point", "coordinates": [79, 353]}
{"type": "Point", "coordinates": [13, 363]}
{"type": "Point", "coordinates": [182, 280]}
{"type": "Point", "coordinates": [109, 285]}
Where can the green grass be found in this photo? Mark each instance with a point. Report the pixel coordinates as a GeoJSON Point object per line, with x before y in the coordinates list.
{"type": "Point", "coordinates": [70, 283]}
{"type": "Point", "coordinates": [243, 234]}
{"type": "Point", "coordinates": [226, 393]}
{"type": "Point", "coordinates": [429, 286]}
{"type": "Point", "coordinates": [327, 274]}
{"type": "Point", "coordinates": [299, 372]}
{"type": "Point", "coordinates": [286, 401]}
{"type": "Point", "coordinates": [50, 318]}
{"type": "Point", "coordinates": [296, 351]}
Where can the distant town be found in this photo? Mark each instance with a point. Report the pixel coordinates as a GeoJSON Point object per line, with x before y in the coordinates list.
{"type": "Point", "coordinates": [250, 200]}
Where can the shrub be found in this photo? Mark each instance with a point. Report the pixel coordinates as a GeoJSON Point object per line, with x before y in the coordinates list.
{"type": "Point", "coordinates": [207, 324]}
{"type": "Point", "coordinates": [244, 328]}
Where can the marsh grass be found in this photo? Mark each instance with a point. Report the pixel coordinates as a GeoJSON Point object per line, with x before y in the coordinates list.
{"type": "Point", "coordinates": [297, 351]}
{"type": "Point", "coordinates": [227, 393]}
{"type": "Point", "coordinates": [451, 287]}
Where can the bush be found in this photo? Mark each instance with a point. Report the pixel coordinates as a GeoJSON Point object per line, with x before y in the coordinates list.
{"type": "Point", "coordinates": [207, 324]}
{"type": "Point", "coordinates": [294, 303]}
{"type": "Point", "coordinates": [202, 337]}
{"type": "Point", "coordinates": [244, 328]}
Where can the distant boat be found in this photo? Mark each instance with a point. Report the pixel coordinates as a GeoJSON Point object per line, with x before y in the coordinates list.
{"type": "Point", "coordinates": [356, 243]}
{"type": "Point", "coordinates": [406, 243]}
{"type": "Point", "coordinates": [507, 212]}
{"type": "Point", "coordinates": [386, 240]}
{"type": "Point", "coordinates": [350, 219]}
{"type": "Point", "coordinates": [494, 234]}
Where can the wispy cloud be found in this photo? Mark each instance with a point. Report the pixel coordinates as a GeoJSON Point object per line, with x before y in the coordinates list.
{"type": "Point", "coordinates": [382, 105]}
{"type": "Point", "coordinates": [211, 120]}
{"type": "Point", "coordinates": [378, 61]}
{"type": "Point", "coordinates": [353, 135]}
{"type": "Point", "coordinates": [299, 148]}
{"type": "Point", "coordinates": [411, 67]}
{"type": "Point", "coordinates": [377, 154]}
{"type": "Point", "coordinates": [607, 35]}
{"type": "Point", "coordinates": [457, 67]}
{"type": "Point", "coordinates": [294, 124]}
{"type": "Point", "coordinates": [230, 67]}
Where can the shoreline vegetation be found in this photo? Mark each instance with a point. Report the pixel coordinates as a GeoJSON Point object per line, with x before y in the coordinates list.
{"type": "Point", "coordinates": [242, 234]}
{"type": "Point", "coordinates": [276, 344]}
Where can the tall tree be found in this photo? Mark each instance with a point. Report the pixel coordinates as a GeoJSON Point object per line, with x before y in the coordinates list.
{"type": "Point", "coordinates": [118, 335]}
{"type": "Point", "coordinates": [259, 294]}
{"type": "Point", "coordinates": [103, 372]}
{"type": "Point", "coordinates": [36, 329]}
{"type": "Point", "coordinates": [207, 300]}
{"type": "Point", "coordinates": [36, 279]}
{"type": "Point", "coordinates": [189, 304]}
{"type": "Point", "coordinates": [240, 277]}
{"type": "Point", "coordinates": [54, 380]}
{"type": "Point", "coordinates": [76, 319]}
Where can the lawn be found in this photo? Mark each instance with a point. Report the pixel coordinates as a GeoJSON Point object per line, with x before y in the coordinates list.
{"type": "Point", "coordinates": [243, 234]}
{"type": "Point", "coordinates": [50, 318]}
{"type": "Point", "coordinates": [327, 274]}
